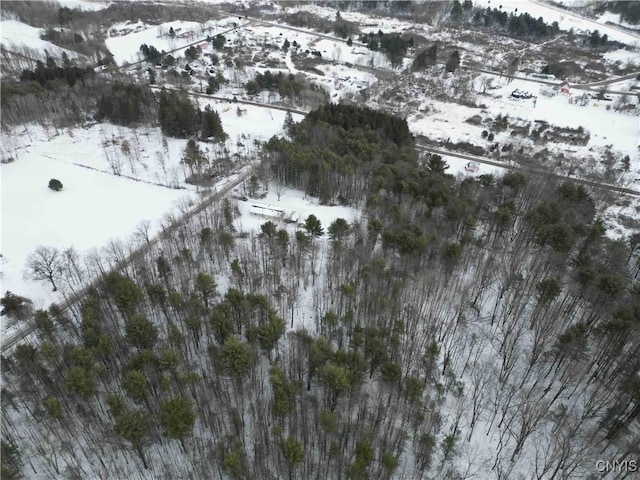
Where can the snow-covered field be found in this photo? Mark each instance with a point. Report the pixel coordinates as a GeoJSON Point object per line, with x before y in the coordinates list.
{"type": "Point", "coordinates": [93, 207]}
{"type": "Point", "coordinates": [125, 38]}
{"type": "Point", "coordinates": [16, 36]}
{"type": "Point", "coordinates": [609, 17]}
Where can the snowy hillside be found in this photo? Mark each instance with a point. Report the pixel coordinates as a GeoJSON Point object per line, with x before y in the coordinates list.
{"type": "Point", "coordinates": [20, 38]}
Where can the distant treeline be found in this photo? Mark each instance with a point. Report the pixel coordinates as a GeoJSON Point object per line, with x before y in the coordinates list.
{"type": "Point", "coordinates": [522, 25]}
{"type": "Point", "coordinates": [629, 11]}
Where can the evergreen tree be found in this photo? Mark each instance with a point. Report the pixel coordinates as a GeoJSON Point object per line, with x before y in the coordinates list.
{"type": "Point", "coordinates": [205, 286]}
{"type": "Point", "coordinates": [53, 407]}
{"type": "Point", "coordinates": [124, 291]}
{"type": "Point", "coordinates": [236, 357]}
{"type": "Point", "coordinates": [453, 62]}
{"type": "Point", "coordinates": [177, 418]}
{"type": "Point", "coordinates": [193, 157]}
{"type": "Point", "coordinates": [338, 229]}
{"type": "Point", "coordinates": [141, 333]}
{"type": "Point", "coordinates": [81, 381]}
{"type": "Point", "coordinates": [292, 452]}
{"type": "Point", "coordinates": [212, 126]}
{"type": "Point", "coordinates": [55, 184]}
{"type": "Point", "coordinates": [313, 226]}
{"type": "Point", "coordinates": [135, 384]}
{"type": "Point", "coordinates": [177, 115]}
{"type": "Point", "coordinates": [456, 11]}
{"type": "Point", "coordinates": [133, 426]}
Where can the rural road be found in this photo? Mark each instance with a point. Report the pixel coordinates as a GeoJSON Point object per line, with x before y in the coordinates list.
{"type": "Point", "coordinates": [451, 153]}
{"type": "Point", "coordinates": [535, 171]}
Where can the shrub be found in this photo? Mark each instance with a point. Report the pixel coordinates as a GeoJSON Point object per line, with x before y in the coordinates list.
{"type": "Point", "coordinates": [55, 184]}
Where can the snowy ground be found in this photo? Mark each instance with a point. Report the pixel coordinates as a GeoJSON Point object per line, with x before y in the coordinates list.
{"type": "Point", "coordinates": [125, 38]}
{"type": "Point", "coordinates": [96, 205]}
{"type": "Point", "coordinates": [93, 207]}
{"type": "Point", "coordinates": [16, 36]}
{"type": "Point", "coordinates": [440, 120]}
{"type": "Point", "coordinates": [624, 57]}
{"type": "Point", "coordinates": [609, 17]}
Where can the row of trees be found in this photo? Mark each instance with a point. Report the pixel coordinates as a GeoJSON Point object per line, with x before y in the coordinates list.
{"type": "Point", "coordinates": [286, 85]}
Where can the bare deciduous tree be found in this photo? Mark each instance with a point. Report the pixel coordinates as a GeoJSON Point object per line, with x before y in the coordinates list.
{"type": "Point", "coordinates": [45, 264]}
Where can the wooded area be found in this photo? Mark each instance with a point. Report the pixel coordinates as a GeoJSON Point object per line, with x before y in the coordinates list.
{"type": "Point", "coordinates": [490, 309]}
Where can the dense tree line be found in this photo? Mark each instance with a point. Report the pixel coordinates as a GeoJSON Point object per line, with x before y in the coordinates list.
{"type": "Point", "coordinates": [180, 117]}
{"type": "Point", "coordinates": [338, 25]}
{"type": "Point", "coordinates": [286, 85]}
{"type": "Point", "coordinates": [47, 75]}
{"type": "Point", "coordinates": [126, 104]}
{"type": "Point", "coordinates": [336, 144]}
{"type": "Point", "coordinates": [151, 54]}
{"type": "Point", "coordinates": [294, 88]}
{"type": "Point", "coordinates": [59, 103]}
{"type": "Point", "coordinates": [519, 26]}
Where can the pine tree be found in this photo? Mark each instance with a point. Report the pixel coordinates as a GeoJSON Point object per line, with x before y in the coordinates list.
{"type": "Point", "coordinates": [338, 229]}
{"type": "Point", "coordinates": [212, 126]}
{"type": "Point", "coordinates": [193, 156]}
{"type": "Point", "coordinates": [135, 384]}
{"type": "Point", "coordinates": [313, 226]}
{"type": "Point", "coordinates": [453, 62]}
{"type": "Point", "coordinates": [236, 357]}
{"type": "Point", "coordinates": [177, 418]}
{"type": "Point", "coordinates": [456, 11]}
{"type": "Point", "coordinates": [287, 126]}
{"type": "Point", "coordinates": [205, 286]}
{"type": "Point", "coordinates": [141, 332]}
{"type": "Point", "coordinates": [133, 426]}
{"type": "Point", "coordinates": [293, 453]}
